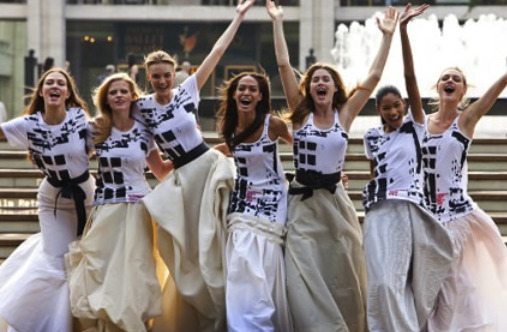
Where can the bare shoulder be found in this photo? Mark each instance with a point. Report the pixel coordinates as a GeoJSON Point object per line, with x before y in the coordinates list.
{"type": "Point", "coordinates": [277, 124]}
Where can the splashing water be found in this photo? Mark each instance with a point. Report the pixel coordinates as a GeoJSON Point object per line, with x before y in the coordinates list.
{"type": "Point", "coordinates": [477, 47]}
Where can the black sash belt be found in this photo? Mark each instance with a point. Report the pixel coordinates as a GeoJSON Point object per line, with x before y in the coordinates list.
{"type": "Point", "coordinates": [312, 180]}
{"type": "Point", "coordinates": [72, 190]}
{"type": "Point", "coordinates": [190, 155]}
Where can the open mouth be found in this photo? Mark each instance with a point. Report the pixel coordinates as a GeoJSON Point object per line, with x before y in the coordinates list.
{"type": "Point", "coordinates": [449, 88]}
{"type": "Point", "coordinates": [245, 102]}
{"type": "Point", "coordinates": [321, 92]}
{"type": "Point", "coordinates": [54, 94]}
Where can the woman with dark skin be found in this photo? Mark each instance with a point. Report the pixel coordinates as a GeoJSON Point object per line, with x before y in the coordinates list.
{"type": "Point", "coordinates": [190, 205]}
{"type": "Point", "coordinates": [256, 297]}
{"type": "Point", "coordinates": [408, 253]}
{"type": "Point", "coordinates": [33, 284]}
{"type": "Point", "coordinates": [326, 273]}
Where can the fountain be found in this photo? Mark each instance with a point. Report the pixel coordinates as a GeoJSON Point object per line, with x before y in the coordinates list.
{"type": "Point", "coordinates": [477, 47]}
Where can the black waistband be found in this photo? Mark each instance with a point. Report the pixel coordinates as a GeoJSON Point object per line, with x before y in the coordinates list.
{"type": "Point", "coordinates": [190, 155]}
{"type": "Point", "coordinates": [312, 180]}
{"type": "Point", "coordinates": [72, 190]}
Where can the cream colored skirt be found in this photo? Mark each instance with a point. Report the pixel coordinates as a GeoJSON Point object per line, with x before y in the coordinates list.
{"type": "Point", "coordinates": [111, 271]}
{"type": "Point", "coordinates": [326, 272]}
{"type": "Point", "coordinates": [190, 208]}
{"type": "Point", "coordinates": [474, 293]}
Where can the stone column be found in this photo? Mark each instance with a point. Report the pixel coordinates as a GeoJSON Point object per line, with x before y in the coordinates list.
{"type": "Point", "coordinates": [316, 30]}
{"type": "Point", "coordinates": [33, 22]}
{"type": "Point", "coordinates": [53, 31]}
{"type": "Point", "coordinates": [46, 29]}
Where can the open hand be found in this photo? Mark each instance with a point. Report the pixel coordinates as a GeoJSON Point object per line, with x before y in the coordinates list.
{"type": "Point", "coordinates": [409, 13]}
{"type": "Point", "coordinates": [388, 24]}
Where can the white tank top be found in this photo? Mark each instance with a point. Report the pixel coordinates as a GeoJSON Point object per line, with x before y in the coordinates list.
{"type": "Point", "coordinates": [446, 173]}
{"type": "Point", "coordinates": [259, 188]}
{"type": "Point", "coordinates": [320, 150]}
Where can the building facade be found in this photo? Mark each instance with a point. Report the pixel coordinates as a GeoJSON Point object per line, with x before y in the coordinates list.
{"type": "Point", "coordinates": [86, 35]}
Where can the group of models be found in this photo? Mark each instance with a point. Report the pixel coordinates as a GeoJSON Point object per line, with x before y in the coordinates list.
{"type": "Point", "coordinates": [216, 247]}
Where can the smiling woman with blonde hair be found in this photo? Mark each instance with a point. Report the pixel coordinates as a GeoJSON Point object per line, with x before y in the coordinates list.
{"type": "Point", "coordinates": [112, 273]}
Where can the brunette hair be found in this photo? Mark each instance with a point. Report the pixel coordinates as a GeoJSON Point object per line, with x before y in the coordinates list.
{"type": "Point", "coordinates": [306, 104]}
{"type": "Point", "coordinates": [36, 102]}
{"type": "Point", "coordinates": [382, 92]}
{"type": "Point", "coordinates": [227, 112]}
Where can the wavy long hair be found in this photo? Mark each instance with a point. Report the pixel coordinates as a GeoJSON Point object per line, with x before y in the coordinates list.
{"type": "Point", "coordinates": [306, 105]}
{"type": "Point", "coordinates": [37, 101]}
{"type": "Point", "coordinates": [227, 113]}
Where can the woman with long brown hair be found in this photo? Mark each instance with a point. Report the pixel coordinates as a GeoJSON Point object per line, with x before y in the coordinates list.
{"type": "Point", "coordinates": [54, 130]}
{"type": "Point", "coordinates": [256, 296]}
{"type": "Point", "coordinates": [326, 274]}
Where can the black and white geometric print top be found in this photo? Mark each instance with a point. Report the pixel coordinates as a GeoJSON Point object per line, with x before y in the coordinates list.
{"type": "Point", "coordinates": [259, 188]}
{"type": "Point", "coordinates": [398, 165]}
{"type": "Point", "coordinates": [446, 173]}
{"type": "Point", "coordinates": [121, 162]}
{"type": "Point", "coordinates": [59, 151]}
{"type": "Point", "coordinates": [174, 125]}
{"type": "Point", "coordinates": [320, 150]}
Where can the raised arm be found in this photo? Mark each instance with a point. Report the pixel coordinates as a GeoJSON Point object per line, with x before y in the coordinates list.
{"type": "Point", "coordinates": [414, 97]}
{"type": "Point", "coordinates": [221, 45]}
{"type": "Point", "coordinates": [357, 101]}
{"type": "Point", "coordinates": [476, 110]}
{"type": "Point", "coordinates": [288, 76]}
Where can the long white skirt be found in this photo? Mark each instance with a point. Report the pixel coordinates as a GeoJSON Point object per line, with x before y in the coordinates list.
{"type": "Point", "coordinates": [112, 272]}
{"type": "Point", "coordinates": [34, 295]}
{"type": "Point", "coordinates": [256, 294]}
{"type": "Point", "coordinates": [190, 208]}
{"type": "Point", "coordinates": [474, 294]}
{"type": "Point", "coordinates": [326, 271]}
{"type": "Point", "coordinates": [408, 254]}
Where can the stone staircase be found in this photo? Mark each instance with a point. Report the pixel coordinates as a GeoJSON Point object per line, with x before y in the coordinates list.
{"type": "Point", "coordinates": [19, 181]}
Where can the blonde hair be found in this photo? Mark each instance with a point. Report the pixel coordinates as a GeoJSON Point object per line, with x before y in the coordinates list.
{"type": "Point", "coordinates": [103, 122]}
{"type": "Point", "coordinates": [157, 57]}
{"type": "Point", "coordinates": [434, 103]}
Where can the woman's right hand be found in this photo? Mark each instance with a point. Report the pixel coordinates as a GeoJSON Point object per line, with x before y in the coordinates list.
{"type": "Point", "coordinates": [274, 11]}
{"type": "Point", "coordinates": [388, 24]}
